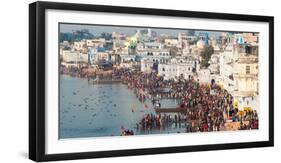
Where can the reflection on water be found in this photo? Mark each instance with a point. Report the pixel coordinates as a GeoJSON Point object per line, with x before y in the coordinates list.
{"type": "Point", "coordinates": [88, 110]}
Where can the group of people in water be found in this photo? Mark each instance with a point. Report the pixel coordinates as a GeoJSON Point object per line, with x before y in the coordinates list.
{"type": "Point", "coordinates": [160, 122]}
{"type": "Point", "coordinates": [208, 106]}
{"type": "Point", "coordinates": [127, 132]}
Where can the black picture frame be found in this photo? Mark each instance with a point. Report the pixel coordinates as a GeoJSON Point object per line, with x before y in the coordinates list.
{"type": "Point", "coordinates": [37, 88]}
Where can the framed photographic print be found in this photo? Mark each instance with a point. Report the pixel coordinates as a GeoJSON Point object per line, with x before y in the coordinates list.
{"type": "Point", "coordinates": [118, 81]}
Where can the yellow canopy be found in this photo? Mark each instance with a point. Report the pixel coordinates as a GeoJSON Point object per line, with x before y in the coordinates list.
{"type": "Point", "coordinates": [235, 104]}
{"type": "Point", "coordinates": [240, 112]}
{"type": "Point", "coordinates": [248, 109]}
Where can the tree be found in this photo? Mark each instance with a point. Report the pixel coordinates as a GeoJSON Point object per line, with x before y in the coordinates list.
{"type": "Point", "coordinates": [106, 36]}
{"type": "Point", "coordinates": [206, 54]}
{"type": "Point", "coordinates": [191, 32]}
{"type": "Point", "coordinates": [76, 35]}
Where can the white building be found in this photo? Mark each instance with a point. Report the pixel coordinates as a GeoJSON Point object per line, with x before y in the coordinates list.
{"type": "Point", "coordinates": [149, 57]}
{"type": "Point", "coordinates": [118, 36]}
{"type": "Point", "coordinates": [153, 45]}
{"type": "Point", "coordinates": [179, 66]}
{"type": "Point", "coordinates": [95, 42]}
{"type": "Point", "coordinates": [226, 67]}
{"type": "Point", "coordinates": [182, 39]}
{"type": "Point", "coordinates": [118, 45]}
{"type": "Point", "coordinates": [74, 57]}
{"type": "Point", "coordinates": [153, 52]}
{"type": "Point", "coordinates": [214, 62]}
{"type": "Point", "coordinates": [65, 44]}
{"type": "Point", "coordinates": [80, 45]}
{"type": "Point", "coordinates": [171, 42]}
{"type": "Point", "coordinates": [203, 76]}
{"type": "Point", "coordinates": [102, 56]}
{"type": "Point", "coordinates": [146, 65]}
{"type": "Point", "coordinates": [126, 64]}
{"type": "Point", "coordinates": [92, 52]}
{"type": "Point", "coordinates": [127, 61]}
{"type": "Point", "coordinates": [127, 58]}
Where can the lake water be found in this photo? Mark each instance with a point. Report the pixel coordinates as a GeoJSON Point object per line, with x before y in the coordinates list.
{"type": "Point", "coordinates": [88, 110]}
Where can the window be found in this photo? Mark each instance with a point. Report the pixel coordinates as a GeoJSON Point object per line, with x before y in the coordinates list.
{"type": "Point", "coordinates": [248, 50]}
{"type": "Point", "coordinates": [248, 70]}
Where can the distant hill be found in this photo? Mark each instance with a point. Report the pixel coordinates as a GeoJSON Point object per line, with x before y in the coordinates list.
{"type": "Point", "coordinates": [76, 35]}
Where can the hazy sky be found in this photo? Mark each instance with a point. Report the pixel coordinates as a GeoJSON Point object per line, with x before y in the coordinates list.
{"type": "Point", "coordinates": [97, 29]}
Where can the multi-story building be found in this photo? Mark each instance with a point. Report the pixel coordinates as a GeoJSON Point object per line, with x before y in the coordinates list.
{"type": "Point", "coordinates": [92, 52]}
{"type": "Point", "coordinates": [150, 57]}
{"type": "Point", "coordinates": [179, 66]}
{"type": "Point", "coordinates": [246, 38]}
{"type": "Point", "coordinates": [150, 52]}
{"type": "Point", "coordinates": [214, 62]}
{"type": "Point", "coordinates": [146, 65]}
{"type": "Point", "coordinates": [152, 45]}
{"type": "Point", "coordinates": [203, 76]}
{"type": "Point", "coordinates": [118, 36]}
{"type": "Point", "coordinates": [245, 75]}
{"type": "Point", "coordinates": [102, 56]}
{"type": "Point", "coordinates": [226, 66]}
{"type": "Point", "coordinates": [74, 57]}
{"type": "Point", "coordinates": [95, 43]}
{"type": "Point", "coordinates": [169, 42]}
{"type": "Point", "coordinates": [80, 46]}
{"type": "Point", "coordinates": [183, 40]}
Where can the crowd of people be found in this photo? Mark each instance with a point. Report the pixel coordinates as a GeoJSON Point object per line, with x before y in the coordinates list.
{"type": "Point", "coordinates": [126, 132]}
{"type": "Point", "coordinates": [160, 121]}
{"type": "Point", "coordinates": [208, 106]}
